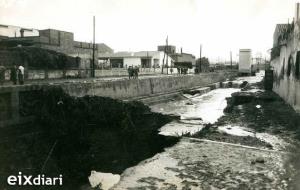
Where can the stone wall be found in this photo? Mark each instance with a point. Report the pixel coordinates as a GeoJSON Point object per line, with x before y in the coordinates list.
{"type": "Point", "coordinates": [15, 99]}
{"type": "Point", "coordinates": [123, 89]}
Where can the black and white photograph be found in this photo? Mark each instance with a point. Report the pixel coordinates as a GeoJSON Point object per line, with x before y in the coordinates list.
{"type": "Point", "coordinates": [149, 94]}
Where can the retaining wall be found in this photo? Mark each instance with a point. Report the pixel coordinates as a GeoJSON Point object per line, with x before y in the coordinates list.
{"type": "Point", "coordinates": [14, 99]}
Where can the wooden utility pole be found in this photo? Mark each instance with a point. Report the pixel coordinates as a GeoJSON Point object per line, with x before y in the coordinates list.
{"type": "Point", "coordinates": [93, 59]}
{"type": "Point", "coordinates": [231, 60]}
{"type": "Point", "coordinates": [200, 60]}
{"type": "Point", "coordinates": [162, 67]}
{"type": "Point", "coordinates": [167, 55]}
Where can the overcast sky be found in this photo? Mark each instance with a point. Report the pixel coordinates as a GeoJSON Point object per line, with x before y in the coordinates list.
{"type": "Point", "coordinates": [133, 25]}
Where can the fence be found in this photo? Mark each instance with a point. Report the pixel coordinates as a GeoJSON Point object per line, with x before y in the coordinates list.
{"type": "Point", "coordinates": [39, 74]}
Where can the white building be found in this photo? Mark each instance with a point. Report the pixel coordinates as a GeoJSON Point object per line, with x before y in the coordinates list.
{"type": "Point", "coordinates": [16, 31]}
{"type": "Point", "coordinates": [142, 59]}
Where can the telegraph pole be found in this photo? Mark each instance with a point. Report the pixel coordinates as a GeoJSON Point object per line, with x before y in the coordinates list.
{"type": "Point", "coordinates": [231, 60]}
{"type": "Point", "coordinates": [93, 59]}
{"type": "Point", "coordinates": [200, 60]}
{"type": "Point", "coordinates": [167, 55]}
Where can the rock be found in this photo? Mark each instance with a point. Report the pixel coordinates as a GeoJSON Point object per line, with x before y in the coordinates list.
{"type": "Point", "coordinates": [189, 103]}
{"type": "Point", "coordinates": [244, 84]}
{"type": "Point", "coordinates": [103, 180]}
{"type": "Point", "coordinates": [260, 160]}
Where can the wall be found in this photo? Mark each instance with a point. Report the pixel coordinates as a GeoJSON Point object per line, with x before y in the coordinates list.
{"type": "Point", "coordinates": [13, 98]}
{"type": "Point", "coordinates": [132, 61]}
{"type": "Point", "coordinates": [285, 85]}
{"type": "Point", "coordinates": [123, 89]}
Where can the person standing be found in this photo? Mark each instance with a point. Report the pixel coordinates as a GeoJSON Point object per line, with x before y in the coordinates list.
{"type": "Point", "coordinates": [2, 74]}
{"type": "Point", "coordinates": [21, 74]}
{"type": "Point", "coordinates": [13, 74]}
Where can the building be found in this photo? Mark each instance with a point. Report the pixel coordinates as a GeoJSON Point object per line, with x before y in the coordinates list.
{"type": "Point", "coordinates": [184, 60]}
{"type": "Point", "coordinates": [203, 65]}
{"type": "Point", "coordinates": [60, 41]}
{"type": "Point", "coordinates": [180, 60]}
{"type": "Point", "coordinates": [142, 59]}
{"type": "Point", "coordinates": [169, 49]}
{"type": "Point", "coordinates": [9, 31]}
{"type": "Point", "coordinates": [285, 60]}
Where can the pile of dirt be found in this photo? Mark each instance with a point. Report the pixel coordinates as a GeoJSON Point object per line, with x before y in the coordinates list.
{"type": "Point", "coordinates": [78, 135]}
{"type": "Point", "coordinates": [211, 132]}
{"type": "Point", "coordinates": [263, 111]}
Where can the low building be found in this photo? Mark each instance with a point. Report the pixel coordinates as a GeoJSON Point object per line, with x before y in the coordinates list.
{"type": "Point", "coordinates": [180, 60]}
{"type": "Point", "coordinates": [10, 31]}
{"type": "Point", "coordinates": [184, 61]}
{"type": "Point", "coordinates": [142, 59]}
{"type": "Point", "coordinates": [285, 60]}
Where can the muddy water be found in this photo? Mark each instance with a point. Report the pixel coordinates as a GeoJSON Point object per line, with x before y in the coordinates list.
{"type": "Point", "coordinates": [194, 111]}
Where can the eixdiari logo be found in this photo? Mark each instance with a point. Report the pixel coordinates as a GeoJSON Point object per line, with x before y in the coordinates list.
{"type": "Point", "coordinates": [39, 180]}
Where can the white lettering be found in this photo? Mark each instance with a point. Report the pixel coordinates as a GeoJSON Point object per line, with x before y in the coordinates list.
{"type": "Point", "coordinates": [27, 180]}
{"type": "Point", "coordinates": [11, 180]}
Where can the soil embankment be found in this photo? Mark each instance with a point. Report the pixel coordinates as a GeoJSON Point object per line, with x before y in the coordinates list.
{"type": "Point", "coordinates": [77, 135]}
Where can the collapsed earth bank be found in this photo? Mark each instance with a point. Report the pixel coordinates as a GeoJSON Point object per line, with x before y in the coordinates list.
{"type": "Point", "coordinates": [72, 136]}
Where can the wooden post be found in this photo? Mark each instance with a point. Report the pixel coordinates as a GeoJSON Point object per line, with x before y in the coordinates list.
{"type": "Point", "coordinates": [93, 59]}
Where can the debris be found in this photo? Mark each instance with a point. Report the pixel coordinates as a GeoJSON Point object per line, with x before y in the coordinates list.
{"type": "Point", "coordinates": [259, 160]}
{"type": "Point", "coordinates": [103, 180]}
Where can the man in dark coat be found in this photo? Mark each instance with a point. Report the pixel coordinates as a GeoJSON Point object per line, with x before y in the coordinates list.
{"type": "Point", "coordinates": [13, 74]}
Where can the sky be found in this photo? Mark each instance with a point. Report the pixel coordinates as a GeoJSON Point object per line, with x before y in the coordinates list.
{"type": "Point", "coordinates": [220, 26]}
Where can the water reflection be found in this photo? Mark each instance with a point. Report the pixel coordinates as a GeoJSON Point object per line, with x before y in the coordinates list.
{"type": "Point", "coordinates": [194, 112]}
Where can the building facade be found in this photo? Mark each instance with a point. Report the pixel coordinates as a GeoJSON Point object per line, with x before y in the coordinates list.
{"type": "Point", "coordinates": [285, 60]}
{"type": "Point", "coordinates": [51, 39]}
{"type": "Point", "coordinates": [142, 59]}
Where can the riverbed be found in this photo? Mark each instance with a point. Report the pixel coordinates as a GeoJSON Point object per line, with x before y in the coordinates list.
{"type": "Point", "coordinates": [205, 164]}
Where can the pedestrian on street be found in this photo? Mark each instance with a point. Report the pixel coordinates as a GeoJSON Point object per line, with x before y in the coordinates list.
{"type": "Point", "coordinates": [21, 74]}
{"type": "Point", "coordinates": [13, 74]}
{"type": "Point", "coordinates": [2, 74]}
{"type": "Point", "coordinates": [136, 72]}
{"type": "Point", "coordinates": [130, 72]}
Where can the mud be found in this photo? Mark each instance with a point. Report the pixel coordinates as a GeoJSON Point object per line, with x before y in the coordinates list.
{"type": "Point", "coordinates": [212, 133]}
{"type": "Point", "coordinates": [196, 165]}
{"type": "Point", "coordinates": [260, 119]}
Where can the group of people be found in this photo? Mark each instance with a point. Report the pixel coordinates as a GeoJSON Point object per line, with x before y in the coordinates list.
{"type": "Point", "coordinates": [133, 72]}
{"type": "Point", "coordinates": [182, 71]}
{"type": "Point", "coordinates": [16, 74]}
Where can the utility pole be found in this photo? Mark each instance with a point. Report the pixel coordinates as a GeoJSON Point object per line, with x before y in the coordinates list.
{"type": "Point", "coordinates": [231, 60]}
{"type": "Point", "coordinates": [162, 67]}
{"type": "Point", "coordinates": [200, 60]}
{"type": "Point", "coordinates": [167, 55]}
{"type": "Point", "coordinates": [93, 59]}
